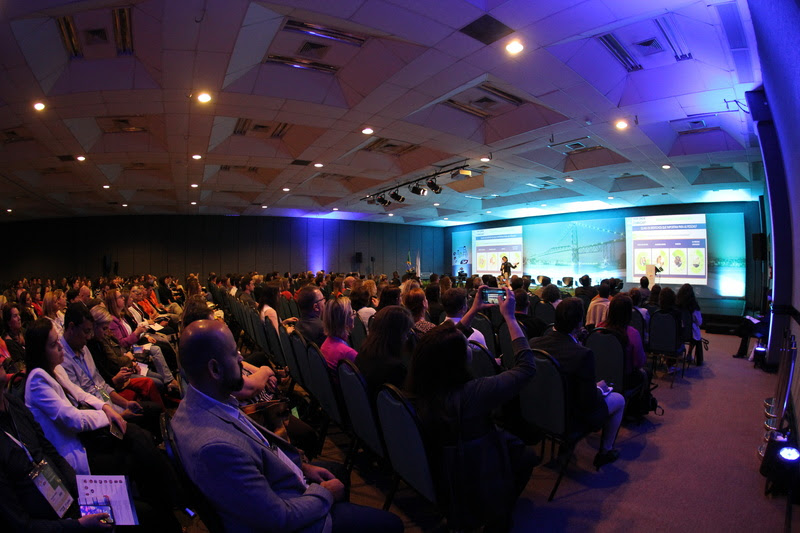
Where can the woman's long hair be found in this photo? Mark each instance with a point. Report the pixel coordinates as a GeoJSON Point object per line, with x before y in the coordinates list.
{"type": "Point", "coordinates": [620, 311]}
{"type": "Point", "coordinates": [686, 299]}
{"type": "Point", "coordinates": [36, 345]}
{"type": "Point", "coordinates": [439, 366]}
{"type": "Point", "coordinates": [387, 332]}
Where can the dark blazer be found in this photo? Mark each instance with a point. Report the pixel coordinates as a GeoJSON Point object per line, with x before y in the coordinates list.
{"type": "Point", "coordinates": [588, 407]}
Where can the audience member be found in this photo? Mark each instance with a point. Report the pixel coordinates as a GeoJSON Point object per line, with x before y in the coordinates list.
{"type": "Point", "coordinates": [692, 319]}
{"type": "Point", "coordinates": [533, 326]}
{"type": "Point", "coordinates": [644, 287]}
{"type": "Point", "coordinates": [310, 302]}
{"type": "Point", "coordinates": [618, 321]}
{"type": "Point", "coordinates": [591, 405]}
{"type": "Point", "coordinates": [338, 322]}
{"type": "Point", "coordinates": [14, 337]}
{"type": "Point", "coordinates": [598, 308]}
{"type": "Point", "coordinates": [415, 302]}
{"type": "Point", "coordinates": [362, 304]}
{"type": "Point", "coordinates": [455, 306]}
{"type": "Point", "coordinates": [389, 296]}
{"type": "Point", "coordinates": [385, 354]}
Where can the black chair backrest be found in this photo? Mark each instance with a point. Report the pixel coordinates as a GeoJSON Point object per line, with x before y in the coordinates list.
{"type": "Point", "coordinates": [543, 401]}
{"type": "Point", "coordinates": [283, 310]}
{"type": "Point", "coordinates": [359, 408]}
{"type": "Point", "coordinates": [609, 355]}
{"type": "Point", "coordinates": [638, 323]}
{"type": "Point", "coordinates": [198, 501]}
{"type": "Point", "coordinates": [274, 343]}
{"type": "Point", "coordinates": [507, 352]}
{"type": "Point", "coordinates": [297, 359]}
{"type": "Point", "coordinates": [294, 309]}
{"type": "Point", "coordinates": [686, 326]}
{"type": "Point", "coordinates": [320, 384]}
{"type": "Point", "coordinates": [665, 333]}
{"type": "Point", "coordinates": [482, 323]}
{"type": "Point", "coordinates": [546, 312]}
{"type": "Point", "coordinates": [403, 438]}
{"type": "Point", "coordinates": [483, 363]}
{"type": "Point", "coordinates": [533, 301]}
{"type": "Point", "coordinates": [358, 335]}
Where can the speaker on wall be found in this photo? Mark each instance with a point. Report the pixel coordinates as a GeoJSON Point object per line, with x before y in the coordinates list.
{"type": "Point", "coordinates": [759, 246]}
{"type": "Point", "coordinates": [358, 258]}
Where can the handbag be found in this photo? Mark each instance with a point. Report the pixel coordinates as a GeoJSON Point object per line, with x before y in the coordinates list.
{"type": "Point", "coordinates": [477, 480]}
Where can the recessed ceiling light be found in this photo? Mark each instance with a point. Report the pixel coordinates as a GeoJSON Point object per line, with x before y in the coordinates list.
{"type": "Point", "coordinates": [446, 218]}
{"type": "Point", "coordinates": [197, 156]}
{"type": "Point", "coordinates": [204, 97]}
{"type": "Point", "coordinates": [391, 214]}
{"type": "Point", "coordinates": [437, 204]}
{"type": "Point", "coordinates": [544, 205]}
{"type": "Point", "coordinates": [488, 212]}
{"type": "Point", "coordinates": [318, 165]}
{"type": "Point", "coordinates": [38, 106]}
{"type": "Point", "coordinates": [367, 131]}
{"type": "Point", "coordinates": [569, 180]}
{"type": "Point", "coordinates": [264, 207]}
{"type": "Point", "coordinates": [8, 210]}
{"type": "Point", "coordinates": [286, 189]}
{"type": "Point", "coordinates": [335, 208]}
{"type": "Point", "coordinates": [124, 205]}
{"type": "Point", "coordinates": [106, 186]}
{"type": "Point", "coordinates": [486, 159]}
{"type": "Point", "coordinates": [610, 197]}
{"type": "Point", "coordinates": [194, 203]}
{"type": "Point", "coordinates": [514, 47]}
{"type": "Point", "coordinates": [194, 185]}
{"type": "Point", "coordinates": [81, 158]}
{"type": "Point", "coordinates": [666, 167]}
{"type": "Point", "coordinates": [621, 124]}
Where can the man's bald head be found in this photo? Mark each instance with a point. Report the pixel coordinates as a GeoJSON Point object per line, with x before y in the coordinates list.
{"type": "Point", "coordinates": [202, 341]}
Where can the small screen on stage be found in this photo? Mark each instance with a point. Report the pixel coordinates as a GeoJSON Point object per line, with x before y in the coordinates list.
{"type": "Point", "coordinates": [489, 246]}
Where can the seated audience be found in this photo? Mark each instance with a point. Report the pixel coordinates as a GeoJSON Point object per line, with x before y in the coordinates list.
{"type": "Point", "coordinates": [53, 307]}
{"type": "Point", "coordinates": [590, 407]}
{"type": "Point", "coordinates": [385, 353]}
{"type": "Point", "coordinates": [435, 307]}
{"type": "Point", "coordinates": [533, 326]}
{"type": "Point", "coordinates": [618, 321]}
{"type": "Point", "coordinates": [338, 322]}
{"type": "Point", "coordinates": [453, 406]}
{"type": "Point", "coordinates": [598, 308]}
{"type": "Point", "coordinates": [255, 480]}
{"type": "Point", "coordinates": [268, 305]}
{"type": "Point", "coordinates": [644, 287]}
{"type": "Point", "coordinates": [454, 302]}
{"type": "Point", "coordinates": [362, 304]}
{"type": "Point", "coordinates": [551, 295]}
{"type": "Point", "coordinates": [310, 302]}
{"type": "Point", "coordinates": [692, 319]}
{"type": "Point", "coordinates": [652, 301]}
{"type": "Point", "coordinates": [415, 302]}
{"type": "Point", "coordinates": [389, 296]}
{"type": "Point", "coordinates": [14, 336]}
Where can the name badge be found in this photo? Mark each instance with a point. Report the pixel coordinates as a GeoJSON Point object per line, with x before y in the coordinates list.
{"type": "Point", "coordinates": [52, 488]}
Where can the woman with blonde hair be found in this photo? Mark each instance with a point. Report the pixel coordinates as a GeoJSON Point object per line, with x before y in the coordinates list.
{"type": "Point", "coordinates": [53, 307]}
{"type": "Point", "coordinates": [337, 319]}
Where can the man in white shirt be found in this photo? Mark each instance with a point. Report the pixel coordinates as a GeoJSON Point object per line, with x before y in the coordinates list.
{"type": "Point", "coordinates": [598, 307]}
{"type": "Point", "coordinates": [454, 302]}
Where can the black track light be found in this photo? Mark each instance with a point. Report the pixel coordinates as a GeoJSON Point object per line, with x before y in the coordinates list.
{"type": "Point", "coordinates": [416, 189]}
{"type": "Point", "coordinates": [433, 186]}
{"type": "Point", "coordinates": [397, 197]}
{"type": "Point", "coordinates": [383, 201]}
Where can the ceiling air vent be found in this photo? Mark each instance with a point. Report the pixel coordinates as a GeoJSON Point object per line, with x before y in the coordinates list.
{"type": "Point", "coordinates": [313, 50]}
{"type": "Point", "coordinates": [96, 36]}
{"type": "Point", "coordinates": [131, 124]}
{"type": "Point", "coordinates": [697, 124]}
{"type": "Point", "coordinates": [306, 64]}
{"type": "Point", "coordinates": [271, 130]}
{"type": "Point", "coordinates": [242, 125]}
{"type": "Point", "coordinates": [66, 158]}
{"type": "Point", "coordinates": [15, 135]}
{"type": "Point", "coordinates": [484, 102]}
{"type": "Point", "coordinates": [620, 53]}
{"type": "Point", "coordinates": [649, 47]}
{"type": "Point", "coordinates": [390, 147]}
{"type": "Point", "coordinates": [486, 29]}
{"type": "Point", "coordinates": [301, 162]}
{"type": "Point", "coordinates": [466, 108]}
{"type": "Point", "coordinates": [66, 26]}
{"type": "Point", "coordinates": [500, 93]}
{"type": "Point", "coordinates": [574, 146]}
{"type": "Point", "coordinates": [123, 32]}
{"type": "Point", "coordinates": [225, 167]}
{"type": "Point", "coordinates": [252, 169]}
{"type": "Point", "coordinates": [318, 30]}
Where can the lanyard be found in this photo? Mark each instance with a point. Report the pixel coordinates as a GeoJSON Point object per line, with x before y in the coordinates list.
{"type": "Point", "coordinates": [21, 445]}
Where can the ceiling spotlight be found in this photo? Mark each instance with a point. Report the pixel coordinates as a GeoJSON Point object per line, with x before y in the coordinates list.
{"type": "Point", "coordinates": [106, 186]}
{"type": "Point", "coordinates": [514, 47]}
{"type": "Point", "coordinates": [197, 156]}
{"type": "Point", "coordinates": [81, 158]}
{"type": "Point", "coordinates": [391, 214]}
{"type": "Point", "coordinates": [8, 210]}
{"type": "Point", "coordinates": [38, 106]}
{"type": "Point", "coordinates": [432, 185]}
{"type": "Point", "coordinates": [204, 98]}
{"type": "Point", "coordinates": [286, 189]}
{"type": "Point", "coordinates": [460, 173]}
{"type": "Point", "coordinates": [335, 208]}
{"type": "Point", "coordinates": [416, 189]}
{"type": "Point", "coordinates": [383, 201]}
{"type": "Point", "coordinates": [194, 185]}
{"type": "Point", "coordinates": [397, 197]}
{"type": "Point", "coordinates": [569, 180]}
{"type": "Point", "coordinates": [367, 131]}
{"type": "Point", "coordinates": [486, 158]}
{"type": "Point", "coordinates": [621, 124]}
{"type": "Point", "coordinates": [544, 205]}
{"type": "Point", "coordinates": [446, 218]}
{"type": "Point", "coordinates": [124, 205]}
{"type": "Point", "coordinates": [488, 212]}
{"type": "Point", "coordinates": [437, 204]}
{"type": "Point", "coordinates": [318, 165]}
{"type": "Point", "coordinates": [264, 207]}
{"type": "Point", "coordinates": [666, 167]}
{"type": "Point", "coordinates": [194, 203]}
{"type": "Point", "coordinates": [610, 197]}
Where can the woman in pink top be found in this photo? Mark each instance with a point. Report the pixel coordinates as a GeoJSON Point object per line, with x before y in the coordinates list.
{"type": "Point", "coordinates": [338, 321]}
{"type": "Point", "coordinates": [618, 320]}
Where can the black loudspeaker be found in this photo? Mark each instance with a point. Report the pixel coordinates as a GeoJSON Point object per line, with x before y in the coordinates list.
{"type": "Point", "coordinates": [359, 257]}
{"type": "Point", "coordinates": [759, 246]}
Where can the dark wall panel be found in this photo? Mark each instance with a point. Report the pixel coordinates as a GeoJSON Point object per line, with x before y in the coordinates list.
{"type": "Point", "coordinates": [202, 244]}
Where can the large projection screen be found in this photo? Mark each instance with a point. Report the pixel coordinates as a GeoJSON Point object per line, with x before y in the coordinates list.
{"type": "Point", "coordinates": [676, 244]}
